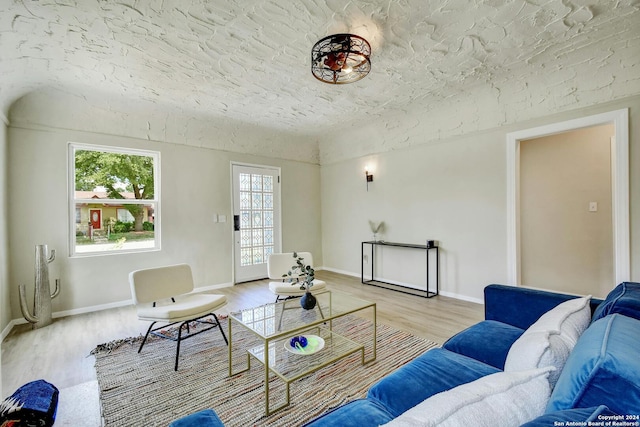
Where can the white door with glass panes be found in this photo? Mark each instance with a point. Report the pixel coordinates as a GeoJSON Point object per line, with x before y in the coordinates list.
{"type": "Point", "coordinates": [256, 219]}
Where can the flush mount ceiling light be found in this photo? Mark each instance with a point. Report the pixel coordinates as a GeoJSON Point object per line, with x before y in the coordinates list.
{"type": "Point", "coordinates": [341, 58]}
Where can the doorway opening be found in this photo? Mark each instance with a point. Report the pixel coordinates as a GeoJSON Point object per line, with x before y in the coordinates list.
{"type": "Point", "coordinates": [619, 186]}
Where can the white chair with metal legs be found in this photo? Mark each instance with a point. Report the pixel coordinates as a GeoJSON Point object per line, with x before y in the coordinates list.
{"type": "Point", "coordinates": [163, 295]}
{"type": "Point", "coordinates": [277, 267]}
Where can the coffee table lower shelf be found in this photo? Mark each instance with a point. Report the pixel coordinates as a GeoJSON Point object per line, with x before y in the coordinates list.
{"type": "Point", "coordinates": [290, 367]}
{"type": "Point", "coordinates": [267, 335]}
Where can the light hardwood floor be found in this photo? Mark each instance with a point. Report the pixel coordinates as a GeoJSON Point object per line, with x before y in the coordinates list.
{"type": "Point", "coordinates": [60, 353]}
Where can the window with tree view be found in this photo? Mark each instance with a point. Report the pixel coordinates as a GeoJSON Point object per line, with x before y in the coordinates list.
{"type": "Point", "coordinates": [114, 202]}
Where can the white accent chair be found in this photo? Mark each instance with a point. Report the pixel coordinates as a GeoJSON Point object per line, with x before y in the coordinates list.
{"type": "Point", "coordinates": [278, 265]}
{"type": "Point", "coordinates": [163, 295]}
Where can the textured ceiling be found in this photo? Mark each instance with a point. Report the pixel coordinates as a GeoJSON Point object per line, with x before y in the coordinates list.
{"type": "Point", "coordinates": [249, 60]}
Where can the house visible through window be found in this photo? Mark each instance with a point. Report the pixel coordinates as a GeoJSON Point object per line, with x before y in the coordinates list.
{"type": "Point", "coordinates": [114, 200]}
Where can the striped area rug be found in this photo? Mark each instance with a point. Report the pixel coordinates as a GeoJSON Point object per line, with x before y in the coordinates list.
{"type": "Point", "coordinates": [144, 390]}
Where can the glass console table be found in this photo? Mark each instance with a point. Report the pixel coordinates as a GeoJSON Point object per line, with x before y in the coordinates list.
{"type": "Point", "coordinates": [271, 326]}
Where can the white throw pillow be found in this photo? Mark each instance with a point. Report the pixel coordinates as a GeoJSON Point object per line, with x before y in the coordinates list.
{"type": "Point", "coordinates": [569, 318]}
{"type": "Point", "coordinates": [551, 338]}
{"type": "Point", "coordinates": [538, 350]}
{"type": "Point", "coordinates": [503, 399]}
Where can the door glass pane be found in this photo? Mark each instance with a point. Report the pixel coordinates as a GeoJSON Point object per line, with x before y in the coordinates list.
{"type": "Point", "coordinates": [244, 200]}
{"type": "Point", "coordinates": [268, 218]}
{"type": "Point", "coordinates": [256, 217]}
{"type": "Point", "coordinates": [245, 220]}
{"type": "Point", "coordinates": [245, 256]}
{"type": "Point", "coordinates": [268, 236]}
{"type": "Point", "coordinates": [257, 201]}
{"type": "Point", "coordinates": [257, 237]}
{"type": "Point", "coordinates": [245, 182]}
{"type": "Point", "coordinates": [268, 250]}
{"type": "Point", "coordinates": [245, 238]}
{"type": "Point", "coordinates": [257, 255]}
{"type": "Point", "coordinates": [268, 201]}
{"type": "Point", "coordinates": [256, 182]}
{"type": "Point", "coordinates": [268, 184]}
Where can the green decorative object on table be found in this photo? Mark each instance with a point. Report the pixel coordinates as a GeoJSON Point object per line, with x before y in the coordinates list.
{"type": "Point", "coordinates": [303, 275]}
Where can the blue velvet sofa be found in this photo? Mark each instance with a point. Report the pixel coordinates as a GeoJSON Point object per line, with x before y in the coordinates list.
{"type": "Point", "coordinates": [204, 418]}
{"type": "Point", "coordinates": [599, 381]}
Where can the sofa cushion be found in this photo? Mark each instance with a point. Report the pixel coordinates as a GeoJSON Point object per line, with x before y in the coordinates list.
{"type": "Point", "coordinates": [501, 399]}
{"type": "Point", "coordinates": [472, 342]}
{"type": "Point", "coordinates": [602, 369]}
{"type": "Point", "coordinates": [186, 307]}
{"type": "Point", "coordinates": [579, 416]}
{"type": "Point", "coordinates": [551, 338]}
{"type": "Point", "coordinates": [204, 418]}
{"type": "Point", "coordinates": [357, 413]}
{"type": "Point", "coordinates": [434, 371]}
{"type": "Point", "coordinates": [624, 299]}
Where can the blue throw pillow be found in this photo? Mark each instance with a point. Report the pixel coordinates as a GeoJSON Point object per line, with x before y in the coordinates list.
{"type": "Point", "coordinates": [624, 299]}
{"type": "Point", "coordinates": [603, 368]}
{"type": "Point", "coordinates": [581, 415]}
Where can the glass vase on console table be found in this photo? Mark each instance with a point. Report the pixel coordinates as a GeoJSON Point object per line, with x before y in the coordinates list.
{"type": "Point", "coordinates": [376, 228]}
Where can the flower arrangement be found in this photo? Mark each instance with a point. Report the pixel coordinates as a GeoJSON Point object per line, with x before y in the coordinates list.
{"type": "Point", "coordinates": [301, 273]}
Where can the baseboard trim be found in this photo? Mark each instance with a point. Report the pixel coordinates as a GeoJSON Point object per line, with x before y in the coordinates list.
{"type": "Point", "coordinates": [83, 310]}
{"type": "Point", "coordinates": [93, 308]}
{"type": "Point", "coordinates": [212, 287]}
{"type": "Point", "coordinates": [443, 293]}
{"type": "Point", "coordinates": [7, 330]}
{"type": "Point", "coordinates": [462, 297]}
{"type": "Point", "coordinates": [335, 270]}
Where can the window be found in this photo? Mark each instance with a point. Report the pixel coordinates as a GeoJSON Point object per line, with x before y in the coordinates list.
{"type": "Point", "coordinates": [124, 215]}
{"type": "Point", "coordinates": [114, 198]}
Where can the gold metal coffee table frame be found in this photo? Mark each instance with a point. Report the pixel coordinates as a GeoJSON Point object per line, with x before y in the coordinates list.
{"type": "Point", "coordinates": [263, 322]}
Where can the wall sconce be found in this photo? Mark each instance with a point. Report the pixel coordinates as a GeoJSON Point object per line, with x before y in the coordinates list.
{"type": "Point", "coordinates": [368, 177]}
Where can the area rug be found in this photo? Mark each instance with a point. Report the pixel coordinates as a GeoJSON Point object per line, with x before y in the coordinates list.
{"type": "Point", "coordinates": [143, 389]}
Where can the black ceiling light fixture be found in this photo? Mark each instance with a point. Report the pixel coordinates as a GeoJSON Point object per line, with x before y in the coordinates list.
{"type": "Point", "coordinates": [340, 59]}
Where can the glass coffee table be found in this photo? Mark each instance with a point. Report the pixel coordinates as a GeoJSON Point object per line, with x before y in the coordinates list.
{"type": "Point", "coordinates": [330, 326]}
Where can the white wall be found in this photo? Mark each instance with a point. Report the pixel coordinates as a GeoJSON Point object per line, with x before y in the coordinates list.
{"type": "Point", "coordinates": [195, 184]}
{"type": "Point", "coordinates": [5, 312]}
{"type": "Point", "coordinates": [452, 190]}
{"type": "Point", "coordinates": [5, 307]}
